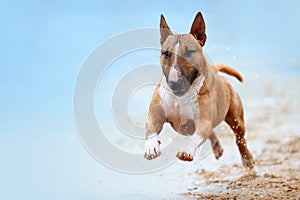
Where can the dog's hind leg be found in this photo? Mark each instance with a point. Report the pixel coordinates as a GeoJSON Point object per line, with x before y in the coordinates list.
{"type": "Point", "coordinates": [216, 146]}
{"type": "Point", "coordinates": [235, 119]}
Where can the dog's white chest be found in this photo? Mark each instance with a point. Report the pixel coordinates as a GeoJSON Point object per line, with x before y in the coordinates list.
{"type": "Point", "coordinates": [185, 108]}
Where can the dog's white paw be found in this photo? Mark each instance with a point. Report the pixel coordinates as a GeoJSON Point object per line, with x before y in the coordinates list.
{"type": "Point", "coordinates": [152, 147]}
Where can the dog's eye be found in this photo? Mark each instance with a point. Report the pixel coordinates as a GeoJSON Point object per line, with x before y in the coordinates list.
{"type": "Point", "coordinates": [188, 52]}
{"type": "Point", "coordinates": [165, 53]}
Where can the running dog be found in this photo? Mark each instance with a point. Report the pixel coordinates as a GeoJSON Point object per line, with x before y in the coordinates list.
{"type": "Point", "coordinates": [192, 97]}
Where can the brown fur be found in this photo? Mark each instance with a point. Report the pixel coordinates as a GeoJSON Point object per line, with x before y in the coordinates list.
{"type": "Point", "coordinates": [230, 71]}
{"type": "Point", "coordinates": [217, 100]}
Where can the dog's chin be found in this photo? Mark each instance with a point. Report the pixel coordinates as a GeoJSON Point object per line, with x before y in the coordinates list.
{"type": "Point", "coordinates": [180, 92]}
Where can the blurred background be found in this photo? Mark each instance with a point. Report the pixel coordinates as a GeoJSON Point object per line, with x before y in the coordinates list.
{"type": "Point", "coordinates": [44, 43]}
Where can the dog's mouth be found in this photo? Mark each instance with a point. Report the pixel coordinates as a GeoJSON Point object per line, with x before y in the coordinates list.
{"type": "Point", "coordinates": [180, 87]}
{"type": "Point", "coordinates": [179, 84]}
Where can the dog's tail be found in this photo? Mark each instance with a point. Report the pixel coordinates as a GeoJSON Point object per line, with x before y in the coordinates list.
{"type": "Point", "coordinates": [230, 71]}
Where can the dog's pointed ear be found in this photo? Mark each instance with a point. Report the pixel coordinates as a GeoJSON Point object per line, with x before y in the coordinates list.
{"type": "Point", "coordinates": [198, 29]}
{"type": "Point", "coordinates": [164, 30]}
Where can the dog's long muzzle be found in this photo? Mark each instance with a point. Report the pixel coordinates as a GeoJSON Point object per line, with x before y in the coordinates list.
{"type": "Point", "coordinates": [179, 87]}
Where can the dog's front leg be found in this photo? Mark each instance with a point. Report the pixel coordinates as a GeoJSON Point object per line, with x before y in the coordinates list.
{"type": "Point", "coordinates": [203, 130]}
{"type": "Point", "coordinates": [198, 139]}
{"type": "Point", "coordinates": [155, 121]}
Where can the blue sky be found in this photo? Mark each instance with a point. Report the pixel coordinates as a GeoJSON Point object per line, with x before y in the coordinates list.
{"type": "Point", "coordinates": [43, 44]}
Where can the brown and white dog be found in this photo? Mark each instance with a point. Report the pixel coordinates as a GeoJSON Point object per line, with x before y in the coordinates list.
{"type": "Point", "coordinates": [192, 97]}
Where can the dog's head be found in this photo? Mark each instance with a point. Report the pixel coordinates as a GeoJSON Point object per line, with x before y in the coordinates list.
{"type": "Point", "coordinates": [181, 55]}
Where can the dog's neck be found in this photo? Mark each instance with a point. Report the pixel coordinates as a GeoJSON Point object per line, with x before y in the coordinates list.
{"type": "Point", "coordinates": [192, 93]}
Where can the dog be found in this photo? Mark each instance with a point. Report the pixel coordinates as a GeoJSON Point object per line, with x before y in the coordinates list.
{"type": "Point", "coordinates": [192, 97]}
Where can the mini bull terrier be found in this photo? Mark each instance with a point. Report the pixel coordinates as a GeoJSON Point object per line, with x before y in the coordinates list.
{"type": "Point", "coordinates": [192, 97]}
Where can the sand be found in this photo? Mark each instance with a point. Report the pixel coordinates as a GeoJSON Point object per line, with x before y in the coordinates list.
{"type": "Point", "coordinates": [276, 176]}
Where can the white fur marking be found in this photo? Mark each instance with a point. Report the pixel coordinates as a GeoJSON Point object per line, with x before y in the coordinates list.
{"type": "Point", "coordinates": [197, 141]}
{"type": "Point", "coordinates": [176, 53]}
{"type": "Point", "coordinates": [174, 73]}
{"type": "Point", "coordinates": [152, 146]}
{"type": "Point", "coordinates": [186, 105]}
